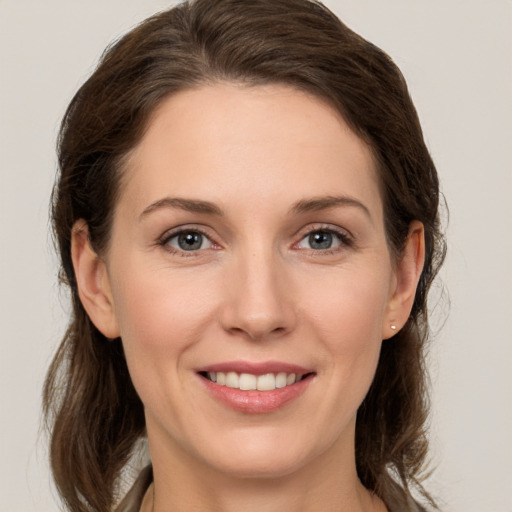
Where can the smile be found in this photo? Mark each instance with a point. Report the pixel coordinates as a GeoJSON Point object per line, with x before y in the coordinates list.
{"type": "Point", "coordinates": [255, 388]}
{"type": "Point", "coordinates": [251, 382]}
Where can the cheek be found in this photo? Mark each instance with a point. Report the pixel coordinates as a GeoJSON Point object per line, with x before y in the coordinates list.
{"type": "Point", "coordinates": [346, 315]}
{"type": "Point", "coordinates": [348, 306]}
{"type": "Point", "coordinates": [161, 317]}
{"type": "Point", "coordinates": [154, 306]}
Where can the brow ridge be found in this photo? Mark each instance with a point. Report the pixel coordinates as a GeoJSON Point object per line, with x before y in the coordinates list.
{"type": "Point", "coordinates": [325, 202]}
{"type": "Point", "coordinates": [190, 205]}
{"type": "Point", "coordinates": [302, 206]}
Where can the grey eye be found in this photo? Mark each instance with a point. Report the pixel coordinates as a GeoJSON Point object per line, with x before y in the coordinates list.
{"type": "Point", "coordinates": [189, 241]}
{"type": "Point", "coordinates": [320, 241]}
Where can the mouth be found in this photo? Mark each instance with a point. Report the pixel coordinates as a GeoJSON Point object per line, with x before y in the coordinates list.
{"type": "Point", "coordinates": [255, 388]}
{"type": "Point", "coordinates": [253, 382]}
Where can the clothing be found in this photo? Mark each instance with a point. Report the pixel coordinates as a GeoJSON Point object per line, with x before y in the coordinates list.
{"type": "Point", "coordinates": [133, 500]}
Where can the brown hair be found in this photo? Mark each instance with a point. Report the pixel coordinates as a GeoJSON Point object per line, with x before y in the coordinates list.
{"type": "Point", "coordinates": [93, 412]}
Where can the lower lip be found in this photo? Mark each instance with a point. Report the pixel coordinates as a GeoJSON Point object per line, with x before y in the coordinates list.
{"type": "Point", "coordinates": [257, 402]}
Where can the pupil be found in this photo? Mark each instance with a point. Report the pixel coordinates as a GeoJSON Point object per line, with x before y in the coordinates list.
{"type": "Point", "coordinates": [320, 240]}
{"type": "Point", "coordinates": [190, 241]}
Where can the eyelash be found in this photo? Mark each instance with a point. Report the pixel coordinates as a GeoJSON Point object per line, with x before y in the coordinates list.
{"type": "Point", "coordinates": [346, 240]}
{"type": "Point", "coordinates": [168, 236]}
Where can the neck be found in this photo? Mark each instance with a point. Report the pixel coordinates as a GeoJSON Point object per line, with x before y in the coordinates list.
{"type": "Point", "coordinates": [324, 485]}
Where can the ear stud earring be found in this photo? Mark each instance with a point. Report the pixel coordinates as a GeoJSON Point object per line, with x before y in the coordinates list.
{"type": "Point", "coordinates": [393, 326]}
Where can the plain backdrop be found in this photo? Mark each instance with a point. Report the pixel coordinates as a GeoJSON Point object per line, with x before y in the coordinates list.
{"type": "Point", "coordinates": [457, 58]}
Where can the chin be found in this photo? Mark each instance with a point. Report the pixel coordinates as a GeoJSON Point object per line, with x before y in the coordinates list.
{"type": "Point", "coordinates": [260, 467]}
{"type": "Point", "coordinates": [262, 456]}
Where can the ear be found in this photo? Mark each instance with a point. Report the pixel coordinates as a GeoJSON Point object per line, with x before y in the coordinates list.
{"type": "Point", "coordinates": [93, 281]}
{"type": "Point", "coordinates": [407, 274]}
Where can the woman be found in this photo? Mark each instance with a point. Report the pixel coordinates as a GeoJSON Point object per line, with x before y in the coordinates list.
{"type": "Point", "coordinates": [247, 217]}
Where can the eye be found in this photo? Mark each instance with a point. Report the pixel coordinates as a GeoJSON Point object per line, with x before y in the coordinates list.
{"type": "Point", "coordinates": [321, 240]}
{"type": "Point", "coordinates": [189, 241]}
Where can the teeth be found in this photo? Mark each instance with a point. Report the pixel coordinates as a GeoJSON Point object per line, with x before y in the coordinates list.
{"type": "Point", "coordinates": [248, 381]}
{"type": "Point", "coordinates": [266, 382]}
{"type": "Point", "coordinates": [281, 380]}
{"type": "Point", "coordinates": [232, 380]}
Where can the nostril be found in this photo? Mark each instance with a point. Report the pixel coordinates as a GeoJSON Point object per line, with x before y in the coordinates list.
{"type": "Point", "coordinates": [250, 316]}
{"type": "Point", "coordinates": [257, 332]}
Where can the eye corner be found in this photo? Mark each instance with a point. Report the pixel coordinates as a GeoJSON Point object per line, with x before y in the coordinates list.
{"type": "Point", "coordinates": [187, 241]}
{"type": "Point", "coordinates": [329, 240]}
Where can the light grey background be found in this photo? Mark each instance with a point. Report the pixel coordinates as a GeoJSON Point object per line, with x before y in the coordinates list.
{"type": "Point", "coordinates": [457, 58]}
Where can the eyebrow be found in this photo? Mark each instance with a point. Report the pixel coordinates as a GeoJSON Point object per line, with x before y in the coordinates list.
{"type": "Point", "coordinates": [189, 205]}
{"type": "Point", "coordinates": [323, 203]}
{"type": "Point", "coordinates": [304, 206]}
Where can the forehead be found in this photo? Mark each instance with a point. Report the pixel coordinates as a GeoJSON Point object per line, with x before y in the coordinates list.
{"type": "Point", "coordinates": [224, 141]}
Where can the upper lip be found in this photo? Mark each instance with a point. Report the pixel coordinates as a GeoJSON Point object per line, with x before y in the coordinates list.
{"type": "Point", "coordinates": [255, 368]}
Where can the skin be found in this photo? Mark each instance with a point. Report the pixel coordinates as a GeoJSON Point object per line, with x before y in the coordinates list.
{"type": "Point", "coordinates": [256, 291]}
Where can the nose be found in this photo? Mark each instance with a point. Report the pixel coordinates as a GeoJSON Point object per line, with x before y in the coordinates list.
{"type": "Point", "coordinates": [259, 303]}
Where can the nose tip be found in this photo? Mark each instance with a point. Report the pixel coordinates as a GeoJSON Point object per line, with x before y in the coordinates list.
{"type": "Point", "coordinates": [257, 327]}
{"type": "Point", "coordinates": [260, 305]}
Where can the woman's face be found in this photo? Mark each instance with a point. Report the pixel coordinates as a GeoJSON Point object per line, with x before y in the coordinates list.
{"type": "Point", "coordinates": [249, 240]}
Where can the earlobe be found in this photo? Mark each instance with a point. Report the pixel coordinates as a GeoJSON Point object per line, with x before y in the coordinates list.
{"type": "Point", "coordinates": [407, 275]}
{"type": "Point", "coordinates": [93, 282]}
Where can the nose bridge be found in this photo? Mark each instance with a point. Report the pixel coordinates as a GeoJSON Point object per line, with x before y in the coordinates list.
{"type": "Point", "coordinates": [259, 304]}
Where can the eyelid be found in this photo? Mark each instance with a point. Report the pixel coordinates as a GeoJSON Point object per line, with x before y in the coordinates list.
{"type": "Point", "coordinates": [164, 239]}
{"type": "Point", "coordinates": [345, 237]}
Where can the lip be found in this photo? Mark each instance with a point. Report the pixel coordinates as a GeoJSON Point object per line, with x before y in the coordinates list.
{"type": "Point", "coordinates": [256, 402]}
{"type": "Point", "coordinates": [255, 368]}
